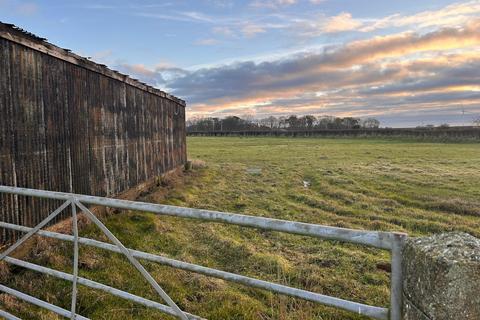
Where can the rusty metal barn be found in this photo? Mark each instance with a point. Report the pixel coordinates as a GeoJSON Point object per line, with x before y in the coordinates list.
{"type": "Point", "coordinates": [69, 124]}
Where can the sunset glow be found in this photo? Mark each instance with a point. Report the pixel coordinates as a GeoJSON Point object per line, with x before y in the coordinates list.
{"type": "Point", "coordinates": [408, 63]}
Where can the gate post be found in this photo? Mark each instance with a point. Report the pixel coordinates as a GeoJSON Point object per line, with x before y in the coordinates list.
{"type": "Point", "coordinates": [397, 276]}
{"type": "Point", "coordinates": [441, 277]}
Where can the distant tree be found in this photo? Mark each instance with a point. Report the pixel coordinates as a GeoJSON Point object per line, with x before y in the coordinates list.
{"type": "Point", "coordinates": [338, 123]}
{"type": "Point", "coordinates": [190, 123]}
{"type": "Point", "coordinates": [263, 123]}
{"type": "Point", "coordinates": [370, 123]}
{"type": "Point", "coordinates": [270, 122]}
{"type": "Point", "coordinates": [216, 124]}
{"type": "Point", "coordinates": [292, 122]}
{"type": "Point", "coordinates": [321, 123]}
{"type": "Point", "coordinates": [273, 122]}
{"type": "Point", "coordinates": [282, 122]}
{"type": "Point", "coordinates": [232, 123]}
{"type": "Point", "coordinates": [476, 122]}
{"type": "Point", "coordinates": [325, 122]}
{"type": "Point", "coordinates": [350, 123]}
{"type": "Point", "coordinates": [248, 118]}
{"type": "Point", "coordinates": [200, 124]}
{"type": "Point", "coordinates": [310, 121]}
{"type": "Point", "coordinates": [444, 126]}
{"type": "Point", "coordinates": [302, 123]}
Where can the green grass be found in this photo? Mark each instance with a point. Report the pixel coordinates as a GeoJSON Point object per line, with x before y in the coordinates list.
{"type": "Point", "coordinates": [415, 187]}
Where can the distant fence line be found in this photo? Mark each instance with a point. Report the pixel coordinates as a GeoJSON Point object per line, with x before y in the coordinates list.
{"type": "Point", "coordinates": [449, 133]}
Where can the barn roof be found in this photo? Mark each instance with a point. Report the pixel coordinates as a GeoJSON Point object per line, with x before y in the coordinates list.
{"type": "Point", "coordinates": [18, 35]}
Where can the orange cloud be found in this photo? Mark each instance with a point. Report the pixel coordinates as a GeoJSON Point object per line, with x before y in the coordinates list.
{"type": "Point", "coordinates": [397, 74]}
{"type": "Point", "coordinates": [451, 15]}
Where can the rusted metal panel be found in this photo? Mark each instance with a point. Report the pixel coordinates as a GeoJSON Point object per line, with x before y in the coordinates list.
{"type": "Point", "coordinates": [68, 124]}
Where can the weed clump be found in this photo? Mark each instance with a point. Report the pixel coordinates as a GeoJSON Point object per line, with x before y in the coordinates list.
{"type": "Point", "coordinates": [195, 164]}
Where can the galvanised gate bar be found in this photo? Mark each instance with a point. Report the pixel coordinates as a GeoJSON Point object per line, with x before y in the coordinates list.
{"type": "Point", "coordinates": [384, 240]}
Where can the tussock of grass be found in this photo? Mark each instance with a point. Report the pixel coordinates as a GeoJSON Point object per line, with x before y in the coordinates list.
{"type": "Point", "coordinates": [415, 187]}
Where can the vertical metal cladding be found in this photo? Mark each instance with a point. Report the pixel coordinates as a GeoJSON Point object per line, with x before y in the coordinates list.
{"type": "Point", "coordinates": [68, 124]}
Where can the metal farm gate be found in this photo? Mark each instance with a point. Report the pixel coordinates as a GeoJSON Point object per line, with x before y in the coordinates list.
{"type": "Point", "coordinates": [384, 240]}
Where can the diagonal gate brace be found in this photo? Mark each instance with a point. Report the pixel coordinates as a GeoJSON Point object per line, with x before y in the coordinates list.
{"type": "Point", "coordinates": [134, 261]}
{"type": "Point", "coordinates": [39, 226]}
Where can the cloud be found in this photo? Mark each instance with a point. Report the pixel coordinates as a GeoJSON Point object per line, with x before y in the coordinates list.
{"type": "Point", "coordinates": [99, 6]}
{"type": "Point", "coordinates": [103, 57]}
{"type": "Point", "coordinates": [456, 14]}
{"type": "Point", "coordinates": [102, 6]}
{"type": "Point", "coordinates": [206, 42]}
{"type": "Point", "coordinates": [247, 28]}
{"type": "Point", "coordinates": [405, 43]}
{"type": "Point", "coordinates": [341, 22]}
{"type": "Point", "coordinates": [153, 77]}
{"type": "Point", "coordinates": [451, 15]}
{"type": "Point", "coordinates": [250, 30]}
{"type": "Point", "coordinates": [286, 2]}
{"type": "Point", "coordinates": [197, 16]}
{"type": "Point", "coordinates": [222, 3]}
{"type": "Point", "coordinates": [224, 26]}
{"type": "Point", "coordinates": [158, 76]}
{"type": "Point", "coordinates": [321, 24]}
{"type": "Point", "coordinates": [272, 4]}
{"type": "Point", "coordinates": [464, 75]}
{"type": "Point", "coordinates": [224, 31]}
{"type": "Point", "coordinates": [189, 16]}
{"type": "Point", "coordinates": [379, 76]}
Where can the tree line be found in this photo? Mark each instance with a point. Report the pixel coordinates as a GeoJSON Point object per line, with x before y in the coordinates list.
{"type": "Point", "coordinates": [293, 122]}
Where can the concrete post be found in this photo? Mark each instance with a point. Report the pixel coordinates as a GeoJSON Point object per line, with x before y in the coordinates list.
{"type": "Point", "coordinates": [442, 277]}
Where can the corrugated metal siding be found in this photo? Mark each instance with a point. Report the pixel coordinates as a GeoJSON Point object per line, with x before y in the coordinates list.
{"type": "Point", "coordinates": [66, 128]}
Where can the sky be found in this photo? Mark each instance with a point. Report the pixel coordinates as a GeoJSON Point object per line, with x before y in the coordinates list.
{"type": "Point", "coordinates": [406, 63]}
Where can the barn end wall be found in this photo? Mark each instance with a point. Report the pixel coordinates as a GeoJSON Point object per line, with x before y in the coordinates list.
{"type": "Point", "coordinates": [74, 126]}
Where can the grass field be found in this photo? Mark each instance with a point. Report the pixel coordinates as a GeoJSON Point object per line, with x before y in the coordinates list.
{"type": "Point", "coordinates": [415, 187]}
